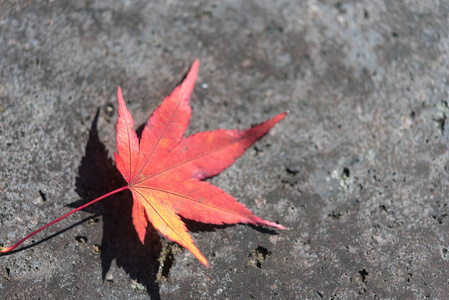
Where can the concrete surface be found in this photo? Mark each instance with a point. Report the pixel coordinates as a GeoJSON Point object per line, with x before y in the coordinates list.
{"type": "Point", "coordinates": [357, 172]}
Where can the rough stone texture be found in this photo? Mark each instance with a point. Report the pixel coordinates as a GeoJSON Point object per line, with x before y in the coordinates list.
{"type": "Point", "coordinates": [357, 171]}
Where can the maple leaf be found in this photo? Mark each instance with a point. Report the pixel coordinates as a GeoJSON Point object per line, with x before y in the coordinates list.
{"type": "Point", "coordinates": [164, 170]}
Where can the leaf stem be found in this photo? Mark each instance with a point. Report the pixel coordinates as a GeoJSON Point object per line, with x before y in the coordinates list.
{"type": "Point", "coordinates": [8, 249]}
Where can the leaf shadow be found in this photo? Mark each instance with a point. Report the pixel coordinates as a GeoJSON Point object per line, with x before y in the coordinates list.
{"type": "Point", "coordinates": [97, 175]}
{"type": "Point", "coordinates": [264, 230]}
{"type": "Point", "coordinates": [194, 226]}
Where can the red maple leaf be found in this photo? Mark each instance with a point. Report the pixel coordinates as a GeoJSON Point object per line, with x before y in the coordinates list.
{"type": "Point", "coordinates": [164, 170]}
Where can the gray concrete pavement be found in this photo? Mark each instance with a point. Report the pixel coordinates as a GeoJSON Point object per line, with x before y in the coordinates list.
{"type": "Point", "coordinates": [357, 172]}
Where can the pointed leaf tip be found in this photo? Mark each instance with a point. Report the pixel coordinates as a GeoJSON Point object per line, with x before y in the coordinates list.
{"type": "Point", "coordinates": [193, 72]}
{"type": "Point", "coordinates": [195, 65]}
{"type": "Point", "coordinates": [119, 94]}
{"type": "Point", "coordinates": [189, 81]}
{"type": "Point", "coordinates": [205, 262]}
{"type": "Point", "coordinates": [276, 225]}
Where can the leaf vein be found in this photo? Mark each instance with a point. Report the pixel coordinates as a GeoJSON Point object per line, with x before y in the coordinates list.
{"type": "Point", "coordinates": [189, 198]}
{"type": "Point", "coordinates": [162, 218]}
{"type": "Point", "coordinates": [157, 143]}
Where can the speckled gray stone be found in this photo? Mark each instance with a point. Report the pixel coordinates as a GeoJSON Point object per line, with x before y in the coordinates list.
{"type": "Point", "coordinates": [357, 172]}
